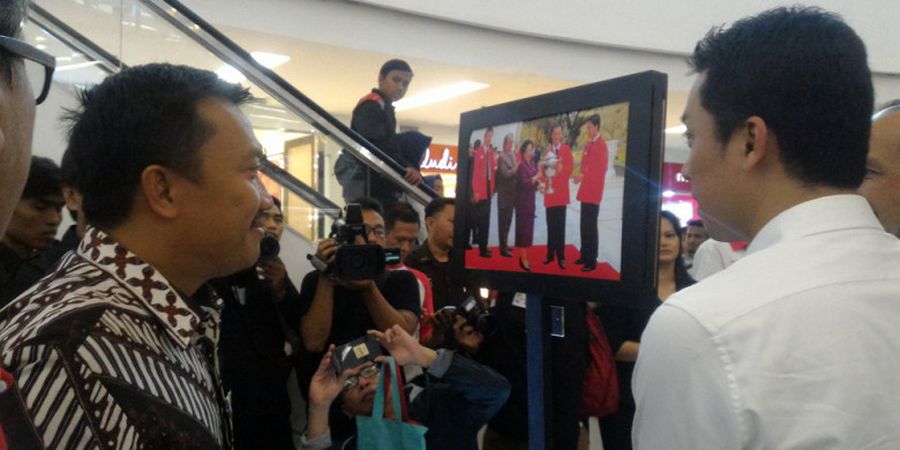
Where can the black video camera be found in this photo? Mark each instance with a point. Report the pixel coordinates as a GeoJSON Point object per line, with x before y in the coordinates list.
{"type": "Point", "coordinates": [357, 261]}
{"type": "Point", "coordinates": [477, 315]}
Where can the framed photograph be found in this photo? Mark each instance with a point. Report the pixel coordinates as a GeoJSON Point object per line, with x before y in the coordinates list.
{"type": "Point", "coordinates": [559, 194]}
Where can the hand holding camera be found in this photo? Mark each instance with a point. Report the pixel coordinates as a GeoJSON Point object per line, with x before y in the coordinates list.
{"type": "Point", "coordinates": [404, 348]}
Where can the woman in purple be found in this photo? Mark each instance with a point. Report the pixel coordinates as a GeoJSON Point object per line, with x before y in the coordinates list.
{"type": "Point", "coordinates": [526, 180]}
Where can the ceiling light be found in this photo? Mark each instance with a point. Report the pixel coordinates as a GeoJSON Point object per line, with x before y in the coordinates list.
{"type": "Point", "coordinates": [678, 129]}
{"type": "Point", "coordinates": [270, 60]}
{"type": "Point", "coordinates": [230, 74]}
{"type": "Point", "coordinates": [76, 66]}
{"type": "Point", "coordinates": [668, 194]}
{"type": "Point", "coordinates": [41, 47]}
{"type": "Point", "coordinates": [438, 94]}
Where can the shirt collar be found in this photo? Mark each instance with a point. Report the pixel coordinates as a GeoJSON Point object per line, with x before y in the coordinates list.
{"type": "Point", "coordinates": [823, 214]}
{"type": "Point", "coordinates": [153, 290]}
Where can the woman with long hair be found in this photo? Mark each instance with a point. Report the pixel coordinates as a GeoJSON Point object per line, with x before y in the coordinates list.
{"type": "Point", "coordinates": [624, 325]}
{"type": "Point", "coordinates": [526, 180]}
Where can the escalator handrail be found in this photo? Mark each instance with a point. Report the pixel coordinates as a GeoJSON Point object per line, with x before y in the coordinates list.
{"type": "Point", "coordinates": [393, 170]}
{"type": "Point", "coordinates": [308, 194]}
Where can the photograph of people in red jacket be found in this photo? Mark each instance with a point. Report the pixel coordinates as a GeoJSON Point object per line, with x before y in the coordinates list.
{"type": "Point", "coordinates": [573, 189]}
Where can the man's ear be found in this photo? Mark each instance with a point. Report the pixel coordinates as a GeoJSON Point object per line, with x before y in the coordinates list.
{"type": "Point", "coordinates": [157, 184]}
{"type": "Point", "coordinates": [756, 142]}
{"type": "Point", "coordinates": [429, 224]}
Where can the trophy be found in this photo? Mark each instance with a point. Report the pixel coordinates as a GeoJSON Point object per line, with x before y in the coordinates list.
{"type": "Point", "coordinates": [549, 164]}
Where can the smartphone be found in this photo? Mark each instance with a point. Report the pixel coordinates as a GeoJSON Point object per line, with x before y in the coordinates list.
{"type": "Point", "coordinates": [355, 353]}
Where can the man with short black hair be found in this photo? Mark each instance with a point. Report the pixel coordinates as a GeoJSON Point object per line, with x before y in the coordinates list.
{"type": "Point", "coordinates": [794, 345]}
{"type": "Point", "coordinates": [433, 257]}
{"type": "Point", "coordinates": [881, 185]}
{"type": "Point", "coordinates": [592, 180]}
{"type": "Point", "coordinates": [402, 223]}
{"type": "Point", "coordinates": [260, 344]}
{"type": "Point", "coordinates": [121, 337]}
{"type": "Point", "coordinates": [373, 118]}
{"type": "Point", "coordinates": [694, 235]}
{"type": "Point", "coordinates": [32, 229]}
{"type": "Point", "coordinates": [340, 311]}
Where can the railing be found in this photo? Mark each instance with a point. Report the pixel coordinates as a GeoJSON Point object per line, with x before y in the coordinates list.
{"type": "Point", "coordinates": [302, 140]}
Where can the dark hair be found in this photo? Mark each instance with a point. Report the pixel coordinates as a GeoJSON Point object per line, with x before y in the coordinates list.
{"type": "Point", "coordinates": [525, 145]}
{"type": "Point", "coordinates": [11, 14]}
{"type": "Point", "coordinates": [138, 117]}
{"type": "Point", "coordinates": [276, 202]}
{"type": "Point", "coordinates": [803, 71]}
{"type": "Point", "coordinates": [370, 204]}
{"type": "Point", "coordinates": [594, 119]}
{"type": "Point", "coordinates": [437, 204]}
{"type": "Point", "coordinates": [695, 223]}
{"type": "Point", "coordinates": [400, 212]}
{"type": "Point", "coordinates": [43, 178]}
{"type": "Point", "coordinates": [394, 64]}
{"type": "Point", "coordinates": [682, 278]}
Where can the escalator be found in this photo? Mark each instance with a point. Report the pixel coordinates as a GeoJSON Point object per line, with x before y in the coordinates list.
{"type": "Point", "coordinates": [94, 38]}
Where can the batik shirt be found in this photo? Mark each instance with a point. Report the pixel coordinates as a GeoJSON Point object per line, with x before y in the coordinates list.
{"type": "Point", "coordinates": [107, 354]}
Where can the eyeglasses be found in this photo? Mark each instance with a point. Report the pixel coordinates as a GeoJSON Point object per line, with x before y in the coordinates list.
{"type": "Point", "coordinates": [32, 54]}
{"type": "Point", "coordinates": [377, 231]}
{"type": "Point", "coordinates": [366, 373]}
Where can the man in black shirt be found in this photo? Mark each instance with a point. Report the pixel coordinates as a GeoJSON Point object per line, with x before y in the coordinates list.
{"type": "Point", "coordinates": [338, 312]}
{"type": "Point", "coordinates": [259, 344]}
{"type": "Point", "coordinates": [32, 230]}
{"type": "Point", "coordinates": [433, 257]}
{"type": "Point", "coordinates": [374, 119]}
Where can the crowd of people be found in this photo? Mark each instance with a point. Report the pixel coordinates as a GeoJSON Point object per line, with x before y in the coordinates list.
{"type": "Point", "coordinates": [166, 318]}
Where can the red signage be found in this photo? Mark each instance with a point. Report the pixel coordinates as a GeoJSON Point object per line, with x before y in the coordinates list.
{"type": "Point", "coordinates": [440, 158]}
{"type": "Point", "coordinates": [673, 180]}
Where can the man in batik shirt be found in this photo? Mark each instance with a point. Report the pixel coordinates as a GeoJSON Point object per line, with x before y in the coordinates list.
{"type": "Point", "coordinates": [116, 349]}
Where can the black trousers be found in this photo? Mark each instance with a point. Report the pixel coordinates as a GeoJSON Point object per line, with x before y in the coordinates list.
{"type": "Point", "coordinates": [556, 232]}
{"type": "Point", "coordinates": [482, 212]}
{"type": "Point", "coordinates": [504, 222]}
{"type": "Point", "coordinates": [589, 241]}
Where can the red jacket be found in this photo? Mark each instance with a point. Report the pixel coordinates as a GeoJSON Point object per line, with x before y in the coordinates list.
{"type": "Point", "coordinates": [594, 162]}
{"type": "Point", "coordinates": [483, 168]}
{"type": "Point", "coordinates": [560, 180]}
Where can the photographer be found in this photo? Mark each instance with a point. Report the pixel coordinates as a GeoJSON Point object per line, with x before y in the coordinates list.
{"type": "Point", "coordinates": [259, 342]}
{"type": "Point", "coordinates": [454, 399]}
{"type": "Point", "coordinates": [339, 311]}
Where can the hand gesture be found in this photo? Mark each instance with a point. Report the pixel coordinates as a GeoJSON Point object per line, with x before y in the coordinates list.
{"type": "Point", "coordinates": [326, 385]}
{"type": "Point", "coordinates": [403, 347]}
{"type": "Point", "coordinates": [442, 321]}
{"type": "Point", "coordinates": [326, 250]}
{"type": "Point", "coordinates": [412, 176]}
{"type": "Point", "coordinates": [275, 273]}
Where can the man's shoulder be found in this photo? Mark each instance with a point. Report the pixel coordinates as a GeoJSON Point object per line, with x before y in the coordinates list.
{"type": "Point", "coordinates": [75, 293]}
{"type": "Point", "coordinates": [794, 271]}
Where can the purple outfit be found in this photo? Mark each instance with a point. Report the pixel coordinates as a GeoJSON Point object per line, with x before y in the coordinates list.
{"type": "Point", "coordinates": [525, 192]}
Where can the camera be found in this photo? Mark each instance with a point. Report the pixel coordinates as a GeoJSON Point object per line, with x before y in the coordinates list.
{"type": "Point", "coordinates": [477, 315]}
{"type": "Point", "coordinates": [357, 261]}
{"type": "Point", "coordinates": [268, 247]}
{"type": "Point", "coordinates": [355, 353]}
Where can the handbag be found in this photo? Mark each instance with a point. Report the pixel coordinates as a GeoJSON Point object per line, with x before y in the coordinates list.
{"type": "Point", "coordinates": [601, 384]}
{"type": "Point", "coordinates": [380, 433]}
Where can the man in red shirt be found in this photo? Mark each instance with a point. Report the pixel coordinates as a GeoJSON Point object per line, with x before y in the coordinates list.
{"type": "Point", "coordinates": [594, 162]}
{"type": "Point", "coordinates": [484, 167]}
{"type": "Point", "coordinates": [556, 193]}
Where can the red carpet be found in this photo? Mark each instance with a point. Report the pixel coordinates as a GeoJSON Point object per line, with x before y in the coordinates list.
{"type": "Point", "coordinates": [536, 255]}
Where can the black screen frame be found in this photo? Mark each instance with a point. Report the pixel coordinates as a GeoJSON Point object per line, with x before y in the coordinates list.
{"type": "Point", "coordinates": [646, 94]}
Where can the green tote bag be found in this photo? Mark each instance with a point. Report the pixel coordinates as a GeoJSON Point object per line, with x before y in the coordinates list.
{"type": "Point", "coordinates": [380, 433]}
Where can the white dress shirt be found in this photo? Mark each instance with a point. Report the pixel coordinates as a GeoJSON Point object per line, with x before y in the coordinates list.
{"type": "Point", "coordinates": [795, 346]}
{"type": "Point", "coordinates": [713, 256]}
